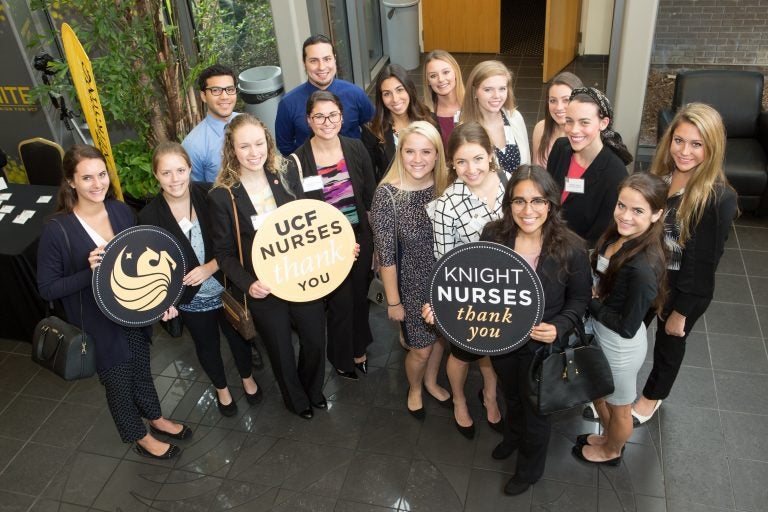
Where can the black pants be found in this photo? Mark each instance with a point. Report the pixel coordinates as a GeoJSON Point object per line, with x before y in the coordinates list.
{"type": "Point", "coordinates": [204, 328]}
{"type": "Point", "coordinates": [523, 428]}
{"type": "Point", "coordinates": [131, 393]}
{"type": "Point", "coordinates": [668, 353]}
{"type": "Point", "coordinates": [349, 333]}
{"type": "Point", "coordinates": [273, 317]}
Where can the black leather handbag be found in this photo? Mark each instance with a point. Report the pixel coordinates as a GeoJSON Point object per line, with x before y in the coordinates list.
{"type": "Point", "coordinates": [561, 378]}
{"type": "Point", "coordinates": [61, 347]}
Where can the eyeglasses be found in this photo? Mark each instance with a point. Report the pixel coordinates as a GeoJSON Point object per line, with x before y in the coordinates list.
{"type": "Point", "coordinates": [216, 91]}
{"type": "Point", "coordinates": [333, 117]}
{"type": "Point", "coordinates": [537, 203]}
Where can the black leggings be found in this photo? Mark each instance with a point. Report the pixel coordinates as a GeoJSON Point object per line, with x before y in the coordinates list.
{"type": "Point", "coordinates": [204, 328]}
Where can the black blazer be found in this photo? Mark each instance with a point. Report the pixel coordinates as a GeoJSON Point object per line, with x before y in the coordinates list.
{"type": "Point", "coordinates": [55, 280]}
{"type": "Point", "coordinates": [588, 214]}
{"type": "Point", "coordinates": [632, 294]}
{"type": "Point", "coordinates": [360, 173]}
{"type": "Point", "coordinates": [222, 219]}
{"type": "Point", "coordinates": [568, 290]}
{"type": "Point", "coordinates": [691, 288]}
{"type": "Point", "coordinates": [158, 213]}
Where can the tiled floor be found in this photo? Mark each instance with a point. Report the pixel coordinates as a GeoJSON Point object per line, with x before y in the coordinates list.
{"type": "Point", "coordinates": [705, 451]}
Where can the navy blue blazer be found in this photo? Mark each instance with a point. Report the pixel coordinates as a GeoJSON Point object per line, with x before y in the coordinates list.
{"type": "Point", "coordinates": [55, 280]}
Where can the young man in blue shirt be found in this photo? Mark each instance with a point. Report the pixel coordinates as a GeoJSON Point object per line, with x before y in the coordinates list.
{"type": "Point", "coordinates": [291, 128]}
{"type": "Point", "coordinates": [218, 90]}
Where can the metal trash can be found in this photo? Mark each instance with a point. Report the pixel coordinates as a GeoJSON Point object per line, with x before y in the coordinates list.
{"type": "Point", "coordinates": [261, 89]}
{"type": "Point", "coordinates": [402, 21]}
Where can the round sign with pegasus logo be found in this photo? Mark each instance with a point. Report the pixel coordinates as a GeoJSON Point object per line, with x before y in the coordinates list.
{"type": "Point", "coordinates": [140, 276]}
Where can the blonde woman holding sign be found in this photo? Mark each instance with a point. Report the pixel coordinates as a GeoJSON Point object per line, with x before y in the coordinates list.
{"type": "Point", "coordinates": [254, 180]}
{"type": "Point", "coordinates": [403, 240]}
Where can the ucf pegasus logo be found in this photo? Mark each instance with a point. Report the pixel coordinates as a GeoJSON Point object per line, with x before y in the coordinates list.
{"type": "Point", "coordinates": [140, 276]}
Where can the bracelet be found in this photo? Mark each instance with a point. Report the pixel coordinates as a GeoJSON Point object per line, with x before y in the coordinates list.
{"type": "Point", "coordinates": [393, 305]}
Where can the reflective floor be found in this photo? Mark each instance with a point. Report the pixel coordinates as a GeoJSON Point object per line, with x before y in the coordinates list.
{"type": "Point", "coordinates": [705, 451]}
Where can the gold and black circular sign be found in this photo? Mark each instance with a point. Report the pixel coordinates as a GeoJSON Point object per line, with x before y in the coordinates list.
{"type": "Point", "coordinates": [140, 276]}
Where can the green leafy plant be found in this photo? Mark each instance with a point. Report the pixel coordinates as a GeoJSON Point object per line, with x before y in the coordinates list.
{"type": "Point", "coordinates": [133, 159]}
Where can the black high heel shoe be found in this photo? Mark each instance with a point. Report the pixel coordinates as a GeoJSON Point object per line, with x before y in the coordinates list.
{"type": "Point", "coordinates": [347, 375]}
{"type": "Point", "coordinates": [228, 410]}
{"type": "Point", "coordinates": [362, 366]}
{"type": "Point", "coordinates": [498, 426]}
{"type": "Point", "coordinates": [255, 398]}
{"type": "Point", "coordinates": [468, 432]}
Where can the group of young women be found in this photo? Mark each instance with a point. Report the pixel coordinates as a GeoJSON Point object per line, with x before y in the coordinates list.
{"type": "Point", "coordinates": [451, 170]}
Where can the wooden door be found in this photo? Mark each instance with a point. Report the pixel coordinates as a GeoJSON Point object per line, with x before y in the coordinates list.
{"type": "Point", "coordinates": [561, 35]}
{"type": "Point", "coordinates": [468, 26]}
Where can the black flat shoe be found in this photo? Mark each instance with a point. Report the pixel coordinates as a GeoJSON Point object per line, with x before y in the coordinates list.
{"type": "Point", "coordinates": [183, 434]}
{"type": "Point", "coordinates": [503, 451]}
{"type": "Point", "coordinates": [347, 375]}
{"type": "Point", "coordinates": [170, 453]}
{"type": "Point", "coordinates": [255, 398]}
{"type": "Point", "coordinates": [468, 432]}
{"type": "Point", "coordinates": [582, 440]}
{"type": "Point", "coordinates": [419, 414]}
{"type": "Point", "coordinates": [576, 451]}
{"type": "Point", "coordinates": [307, 413]}
{"type": "Point", "coordinates": [362, 366]}
{"type": "Point", "coordinates": [515, 487]}
{"type": "Point", "coordinates": [228, 410]}
{"type": "Point", "coordinates": [320, 404]}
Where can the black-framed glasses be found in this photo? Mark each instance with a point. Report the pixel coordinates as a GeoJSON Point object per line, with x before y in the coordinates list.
{"type": "Point", "coordinates": [216, 91]}
{"type": "Point", "coordinates": [333, 117]}
{"type": "Point", "coordinates": [537, 203]}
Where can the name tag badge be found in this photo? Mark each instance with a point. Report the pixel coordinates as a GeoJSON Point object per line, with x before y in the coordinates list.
{"type": "Point", "coordinates": [602, 263]}
{"type": "Point", "coordinates": [257, 221]}
{"type": "Point", "coordinates": [311, 183]}
{"type": "Point", "coordinates": [185, 225]}
{"type": "Point", "coordinates": [456, 117]}
{"type": "Point", "coordinates": [574, 185]}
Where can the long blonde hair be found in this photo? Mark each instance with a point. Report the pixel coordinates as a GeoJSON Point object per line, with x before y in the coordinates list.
{"type": "Point", "coordinates": [430, 96]}
{"type": "Point", "coordinates": [709, 173]}
{"type": "Point", "coordinates": [229, 173]}
{"type": "Point", "coordinates": [470, 110]}
{"type": "Point", "coordinates": [396, 172]}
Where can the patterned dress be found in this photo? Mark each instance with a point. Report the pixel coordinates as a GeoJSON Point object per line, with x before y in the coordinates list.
{"type": "Point", "coordinates": [415, 259]}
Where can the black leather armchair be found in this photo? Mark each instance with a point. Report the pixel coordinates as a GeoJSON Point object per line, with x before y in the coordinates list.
{"type": "Point", "coordinates": [737, 96]}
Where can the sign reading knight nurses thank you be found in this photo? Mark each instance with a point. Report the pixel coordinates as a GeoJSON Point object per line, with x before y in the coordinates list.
{"type": "Point", "coordinates": [140, 276]}
{"type": "Point", "coordinates": [303, 250]}
{"type": "Point", "coordinates": [486, 298]}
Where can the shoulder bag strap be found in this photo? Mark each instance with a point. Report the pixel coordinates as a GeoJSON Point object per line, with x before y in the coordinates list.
{"type": "Point", "coordinates": [298, 167]}
{"type": "Point", "coordinates": [239, 248]}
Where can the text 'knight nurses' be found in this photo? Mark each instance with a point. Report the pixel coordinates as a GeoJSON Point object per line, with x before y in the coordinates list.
{"type": "Point", "coordinates": [140, 276]}
{"type": "Point", "coordinates": [486, 298]}
{"type": "Point", "coordinates": [303, 250]}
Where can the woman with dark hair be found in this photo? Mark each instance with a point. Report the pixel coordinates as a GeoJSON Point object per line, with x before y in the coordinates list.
{"type": "Point", "coordinates": [552, 127]}
{"type": "Point", "coordinates": [253, 181]}
{"type": "Point", "coordinates": [629, 263]}
{"type": "Point", "coordinates": [443, 90]}
{"type": "Point", "coordinates": [181, 207]}
{"type": "Point", "coordinates": [338, 170]}
{"type": "Point", "coordinates": [588, 163]}
{"type": "Point", "coordinates": [473, 198]}
{"type": "Point", "coordinates": [397, 106]}
{"type": "Point", "coordinates": [71, 247]}
{"type": "Point", "coordinates": [700, 210]}
{"type": "Point", "coordinates": [490, 101]}
{"type": "Point", "coordinates": [531, 225]}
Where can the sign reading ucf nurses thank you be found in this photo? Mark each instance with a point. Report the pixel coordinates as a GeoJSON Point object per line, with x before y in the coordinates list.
{"type": "Point", "coordinates": [85, 85]}
{"type": "Point", "coordinates": [303, 250]}
{"type": "Point", "coordinates": [486, 298]}
{"type": "Point", "coordinates": [140, 276]}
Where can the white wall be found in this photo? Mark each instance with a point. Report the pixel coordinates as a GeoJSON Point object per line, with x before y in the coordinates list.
{"type": "Point", "coordinates": [291, 29]}
{"type": "Point", "coordinates": [596, 20]}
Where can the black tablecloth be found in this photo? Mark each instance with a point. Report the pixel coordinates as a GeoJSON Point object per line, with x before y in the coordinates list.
{"type": "Point", "coordinates": [20, 305]}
